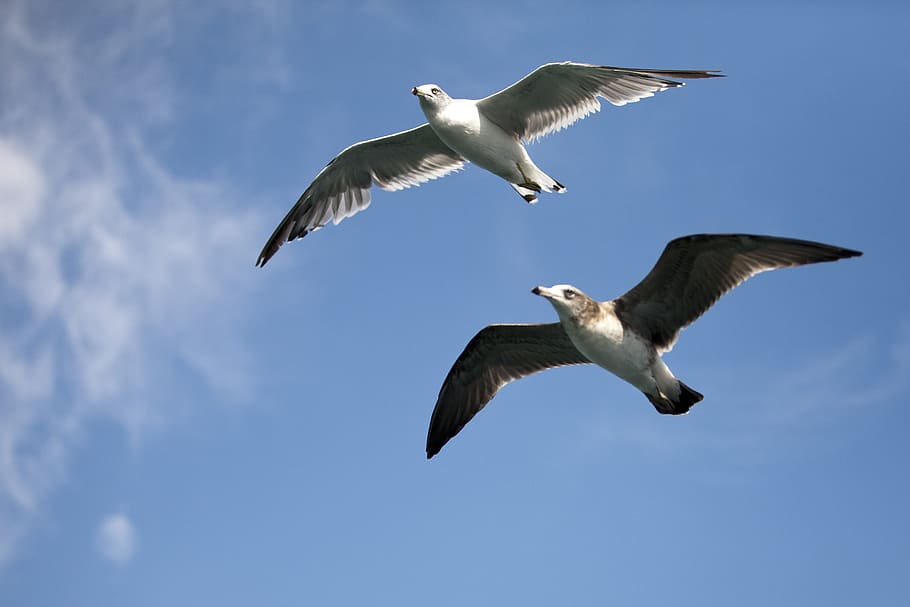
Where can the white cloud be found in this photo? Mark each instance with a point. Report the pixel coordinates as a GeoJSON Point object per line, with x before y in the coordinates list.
{"type": "Point", "coordinates": [113, 271]}
{"type": "Point", "coordinates": [21, 190]}
{"type": "Point", "coordinates": [116, 539]}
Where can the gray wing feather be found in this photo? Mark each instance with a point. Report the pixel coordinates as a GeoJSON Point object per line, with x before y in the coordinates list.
{"type": "Point", "coordinates": [556, 95]}
{"type": "Point", "coordinates": [495, 356]}
{"type": "Point", "coordinates": [695, 271]}
{"type": "Point", "coordinates": [342, 188]}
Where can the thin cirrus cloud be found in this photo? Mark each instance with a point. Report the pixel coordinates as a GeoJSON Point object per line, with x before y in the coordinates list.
{"type": "Point", "coordinates": [116, 538]}
{"type": "Point", "coordinates": [112, 266]}
{"type": "Point", "coordinates": [820, 388]}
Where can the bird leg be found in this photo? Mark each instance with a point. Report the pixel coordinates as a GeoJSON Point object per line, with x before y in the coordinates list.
{"type": "Point", "coordinates": [527, 183]}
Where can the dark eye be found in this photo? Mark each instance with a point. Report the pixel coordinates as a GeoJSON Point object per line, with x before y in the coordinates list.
{"type": "Point", "coordinates": [568, 294]}
{"type": "Point", "coordinates": [435, 91]}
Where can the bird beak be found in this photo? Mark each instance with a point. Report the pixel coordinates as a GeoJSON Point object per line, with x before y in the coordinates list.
{"type": "Point", "coordinates": [542, 291]}
{"type": "Point", "coordinates": [414, 91]}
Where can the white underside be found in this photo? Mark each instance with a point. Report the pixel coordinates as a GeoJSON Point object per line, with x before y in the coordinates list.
{"type": "Point", "coordinates": [464, 129]}
{"type": "Point", "coordinates": [624, 354]}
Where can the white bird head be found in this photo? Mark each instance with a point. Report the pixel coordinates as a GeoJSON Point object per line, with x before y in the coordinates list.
{"type": "Point", "coordinates": [431, 96]}
{"type": "Point", "coordinates": [568, 301]}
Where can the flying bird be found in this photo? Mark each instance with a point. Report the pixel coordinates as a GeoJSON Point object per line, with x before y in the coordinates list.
{"type": "Point", "coordinates": [626, 335]}
{"type": "Point", "coordinates": [489, 132]}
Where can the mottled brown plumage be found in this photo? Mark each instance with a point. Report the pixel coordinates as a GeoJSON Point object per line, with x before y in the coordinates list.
{"type": "Point", "coordinates": [625, 335]}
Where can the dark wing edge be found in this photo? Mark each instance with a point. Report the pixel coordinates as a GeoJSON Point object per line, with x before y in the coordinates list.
{"type": "Point", "coordinates": [497, 355]}
{"type": "Point", "coordinates": [684, 74]}
{"type": "Point", "coordinates": [342, 188]}
{"type": "Point", "coordinates": [694, 271]}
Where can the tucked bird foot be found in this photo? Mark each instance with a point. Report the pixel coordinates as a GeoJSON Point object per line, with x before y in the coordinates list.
{"type": "Point", "coordinates": [528, 191]}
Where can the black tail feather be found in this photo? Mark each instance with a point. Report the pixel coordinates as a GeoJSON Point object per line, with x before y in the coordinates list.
{"type": "Point", "coordinates": [687, 398]}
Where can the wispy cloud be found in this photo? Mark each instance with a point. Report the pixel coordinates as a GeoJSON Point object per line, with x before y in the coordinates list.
{"type": "Point", "coordinates": [113, 270]}
{"type": "Point", "coordinates": [863, 373]}
{"type": "Point", "coordinates": [116, 539]}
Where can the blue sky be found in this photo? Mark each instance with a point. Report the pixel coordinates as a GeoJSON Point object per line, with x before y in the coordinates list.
{"type": "Point", "coordinates": [179, 427]}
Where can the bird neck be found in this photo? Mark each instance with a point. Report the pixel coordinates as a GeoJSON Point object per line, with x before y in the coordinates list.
{"type": "Point", "coordinates": [588, 313]}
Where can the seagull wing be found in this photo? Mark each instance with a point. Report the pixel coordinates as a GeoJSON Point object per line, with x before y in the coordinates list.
{"type": "Point", "coordinates": [695, 271]}
{"type": "Point", "coordinates": [497, 355]}
{"type": "Point", "coordinates": [556, 95]}
{"type": "Point", "coordinates": [342, 188]}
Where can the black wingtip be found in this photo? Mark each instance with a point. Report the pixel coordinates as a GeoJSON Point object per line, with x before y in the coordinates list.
{"type": "Point", "coordinates": [283, 233]}
{"type": "Point", "coordinates": [437, 438]}
{"type": "Point", "coordinates": [696, 74]}
{"type": "Point", "coordinates": [835, 253]}
{"type": "Point", "coordinates": [265, 256]}
{"type": "Point", "coordinates": [685, 74]}
{"type": "Point", "coordinates": [269, 250]}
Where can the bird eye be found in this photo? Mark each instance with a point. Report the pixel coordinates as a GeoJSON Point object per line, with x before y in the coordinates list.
{"type": "Point", "coordinates": [568, 294]}
{"type": "Point", "coordinates": [435, 91]}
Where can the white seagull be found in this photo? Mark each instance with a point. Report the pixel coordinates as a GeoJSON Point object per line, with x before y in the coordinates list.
{"type": "Point", "coordinates": [625, 336]}
{"type": "Point", "coordinates": [489, 132]}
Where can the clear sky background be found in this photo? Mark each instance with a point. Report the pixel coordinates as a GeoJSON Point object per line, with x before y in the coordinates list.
{"type": "Point", "coordinates": [178, 427]}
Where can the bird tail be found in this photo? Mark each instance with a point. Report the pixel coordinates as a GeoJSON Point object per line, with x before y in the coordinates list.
{"type": "Point", "coordinates": [681, 404]}
{"type": "Point", "coordinates": [536, 184]}
{"type": "Point", "coordinates": [529, 193]}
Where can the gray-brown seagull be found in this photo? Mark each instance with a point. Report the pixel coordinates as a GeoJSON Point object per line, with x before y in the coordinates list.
{"type": "Point", "coordinates": [490, 132]}
{"type": "Point", "coordinates": [626, 335]}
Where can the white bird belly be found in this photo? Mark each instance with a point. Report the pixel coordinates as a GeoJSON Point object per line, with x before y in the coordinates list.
{"type": "Point", "coordinates": [620, 352]}
{"type": "Point", "coordinates": [464, 129]}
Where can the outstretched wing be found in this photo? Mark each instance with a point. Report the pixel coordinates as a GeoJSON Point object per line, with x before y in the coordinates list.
{"type": "Point", "coordinates": [495, 356]}
{"type": "Point", "coordinates": [342, 188]}
{"type": "Point", "coordinates": [695, 271]}
{"type": "Point", "coordinates": [556, 95]}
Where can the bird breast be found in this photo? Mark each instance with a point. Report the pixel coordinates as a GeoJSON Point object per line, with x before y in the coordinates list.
{"type": "Point", "coordinates": [609, 344]}
{"type": "Point", "coordinates": [462, 127]}
{"type": "Point", "coordinates": [459, 118]}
